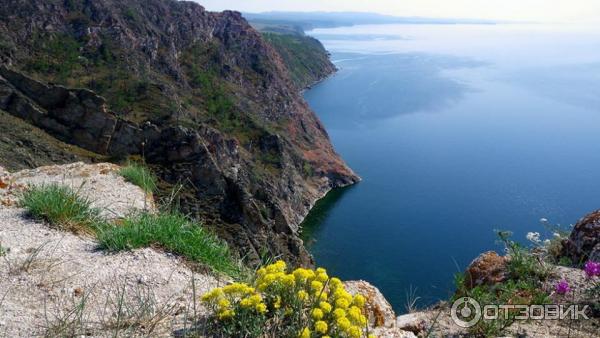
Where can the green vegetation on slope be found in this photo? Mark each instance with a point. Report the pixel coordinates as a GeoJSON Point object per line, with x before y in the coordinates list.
{"type": "Point", "coordinates": [139, 175]}
{"type": "Point", "coordinates": [174, 233]}
{"type": "Point", "coordinates": [62, 207]}
{"type": "Point", "coordinates": [305, 57]}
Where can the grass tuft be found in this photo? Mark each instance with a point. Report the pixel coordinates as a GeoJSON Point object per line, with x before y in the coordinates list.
{"type": "Point", "coordinates": [62, 207]}
{"type": "Point", "coordinates": [174, 233]}
{"type": "Point", "coordinates": [139, 175]}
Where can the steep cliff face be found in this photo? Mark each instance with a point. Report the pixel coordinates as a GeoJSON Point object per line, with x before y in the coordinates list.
{"type": "Point", "coordinates": [200, 95]}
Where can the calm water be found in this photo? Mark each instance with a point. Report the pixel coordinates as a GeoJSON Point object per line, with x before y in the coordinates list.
{"type": "Point", "coordinates": [456, 131]}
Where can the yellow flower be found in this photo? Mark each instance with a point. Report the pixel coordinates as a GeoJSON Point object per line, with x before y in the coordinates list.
{"type": "Point", "coordinates": [335, 283]}
{"type": "Point", "coordinates": [238, 288]}
{"type": "Point", "coordinates": [278, 266]}
{"type": "Point", "coordinates": [317, 314]}
{"type": "Point", "coordinates": [261, 308]}
{"type": "Point", "coordinates": [321, 275]}
{"type": "Point", "coordinates": [289, 281]}
{"type": "Point", "coordinates": [316, 286]}
{"type": "Point", "coordinates": [340, 293]}
{"type": "Point", "coordinates": [305, 333]}
{"type": "Point", "coordinates": [226, 314]}
{"type": "Point", "coordinates": [302, 295]}
{"type": "Point", "coordinates": [359, 300]}
{"type": "Point", "coordinates": [246, 303]}
{"type": "Point", "coordinates": [211, 295]}
{"type": "Point", "coordinates": [326, 307]}
{"type": "Point", "coordinates": [372, 336]}
{"type": "Point", "coordinates": [224, 303]}
{"type": "Point", "coordinates": [303, 275]}
{"type": "Point", "coordinates": [339, 313]}
{"type": "Point", "coordinates": [343, 323]}
{"type": "Point", "coordinates": [277, 303]}
{"type": "Point", "coordinates": [354, 313]}
{"type": "Point", "coordinates": [342, 303]}
{"type": "Point", "coordinates": [323, 296]}
{"type": "Point", "coordinates": [362, 320]}
{"type": "Point", "coordinates": [354, 332]}
{"type": "Point", "coordinates": [321, 326]}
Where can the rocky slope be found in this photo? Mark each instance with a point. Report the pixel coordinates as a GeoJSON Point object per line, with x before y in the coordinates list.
{"type": "Point", "coordinates": [57, 284]}
{"type": "Point", "coordinates": [200, 95]}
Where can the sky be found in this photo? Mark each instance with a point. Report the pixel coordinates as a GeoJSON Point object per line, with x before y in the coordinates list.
{"type": "Point", "coordinates": [518, 10]}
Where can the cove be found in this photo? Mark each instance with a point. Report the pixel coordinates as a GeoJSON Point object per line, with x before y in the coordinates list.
{"type": "Point", "coordinates": [457, 131]}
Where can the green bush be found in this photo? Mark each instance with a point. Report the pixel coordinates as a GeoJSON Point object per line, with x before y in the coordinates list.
{"type": "Point", "coordinates": [139, 175]}
{"type": "Point", "coordinates": [62, 207]}
{"type": "Point", "coordinates": [174, 233]}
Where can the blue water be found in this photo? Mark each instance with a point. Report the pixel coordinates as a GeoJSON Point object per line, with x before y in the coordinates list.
{"type": "Point", "coordinates": [456, 130]}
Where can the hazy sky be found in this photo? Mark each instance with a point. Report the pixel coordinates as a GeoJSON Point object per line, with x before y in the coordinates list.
{"type": "Point", "coordinates": [530, 10]}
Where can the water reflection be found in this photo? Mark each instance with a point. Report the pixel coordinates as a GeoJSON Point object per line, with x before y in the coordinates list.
{"type": "Point", "coordinates": [390, 85]}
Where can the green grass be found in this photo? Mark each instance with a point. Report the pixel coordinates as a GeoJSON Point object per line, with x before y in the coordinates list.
{"type": "Point", "coordinates": [174, 233]}
{"type": "Point", "coordinates": [139, 175]}
{"type": "Point", "coordinates": [62, 207]}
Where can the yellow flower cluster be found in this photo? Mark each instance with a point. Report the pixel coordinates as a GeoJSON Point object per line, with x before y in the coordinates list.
{"type": "Point", "coordinates": [309, 299]}
{"type": "Point", "coordinates": [225, 299]}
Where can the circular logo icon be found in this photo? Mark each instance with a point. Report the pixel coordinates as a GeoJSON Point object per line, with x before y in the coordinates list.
{"type": "Point", "coordinates": [465, 312]}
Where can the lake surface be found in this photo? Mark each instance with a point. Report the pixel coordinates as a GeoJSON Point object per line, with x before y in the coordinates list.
{"type": "Point", "coordinates": [456, 130]}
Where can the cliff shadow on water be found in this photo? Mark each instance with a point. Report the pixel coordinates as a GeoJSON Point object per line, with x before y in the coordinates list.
{"type": "Point", "coordinates": [316, 218]}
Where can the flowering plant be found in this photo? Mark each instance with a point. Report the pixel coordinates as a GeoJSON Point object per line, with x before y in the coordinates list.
{"type": "Point", "coordinates": [302, 303]}
{"type": "Point", "coordinates": [592, 269]}
{"type": "Point", "coordinates": [562, 287]}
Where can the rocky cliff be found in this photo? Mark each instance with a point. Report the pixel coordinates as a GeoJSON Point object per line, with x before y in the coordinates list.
{"type": "Point", "coordinates": [200, 95]}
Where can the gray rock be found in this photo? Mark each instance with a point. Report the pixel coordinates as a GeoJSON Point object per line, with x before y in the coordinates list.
{"type": "Point", "coordinates": [584, 240]}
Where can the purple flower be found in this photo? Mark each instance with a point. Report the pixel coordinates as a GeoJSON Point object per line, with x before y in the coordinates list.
{"type": "Point", "coordinates": [592, 269]}
{"type": "Point", "coordinates": [562, 287]}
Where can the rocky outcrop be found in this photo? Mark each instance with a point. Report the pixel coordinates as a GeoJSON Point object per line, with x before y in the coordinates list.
{"type": "Point", "coordinates": [381, 315]}
{"type": "Point", "coordinates": [584, 241]}
{"type": "Point", "coordinates": [56, 284]}
{"type": "Point", "coordinates": [200, 95]}
{"type": "Point", "coordinates": [487, 269]}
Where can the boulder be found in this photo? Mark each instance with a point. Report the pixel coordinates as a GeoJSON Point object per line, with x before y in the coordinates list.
{"type": "Point", "coordinates": [487, 269]}
{"type": "Point", "coordinates": [380, 312]}
{"type": "Point", "coordinates": [595, 254]}
{"type": "Point", "coordinates": [584, 241]}
{"type": "Point", "coordinates": [413, 322]}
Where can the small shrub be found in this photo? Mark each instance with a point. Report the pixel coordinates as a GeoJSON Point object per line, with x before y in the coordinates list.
{"type": "Point", "coordinates": [523, 263]}
{"type": "Point", "coordinates": [303, 303]}
{"type": "Point", "coordinates": [526, 275]}
{"type": "Point", "coordinates": [174, 233]}
{"type": "Point", "coordinates": [139, 175]}
{"type": "Point", "coordinates": [3, 250]}
{"type": "Point", "coordinates": [62, 207]}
